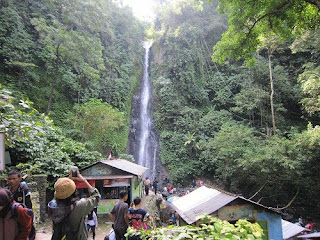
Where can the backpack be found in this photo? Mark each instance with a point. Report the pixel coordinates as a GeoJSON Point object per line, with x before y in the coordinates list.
{"type": "Point", "coordinates": [62, 230]}
{"type": "Point", "coordinates": [14, 210]}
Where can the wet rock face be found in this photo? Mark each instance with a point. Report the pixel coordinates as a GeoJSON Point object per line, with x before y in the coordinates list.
{"type": "Point", "coordinates": [133, 141]}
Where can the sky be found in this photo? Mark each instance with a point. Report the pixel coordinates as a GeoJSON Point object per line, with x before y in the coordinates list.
{"type": "Point", "coordinates": [141, 8]}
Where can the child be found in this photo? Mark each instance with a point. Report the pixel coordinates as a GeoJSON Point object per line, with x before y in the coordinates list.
{"type": "Point", "coordinates": [92, 223]}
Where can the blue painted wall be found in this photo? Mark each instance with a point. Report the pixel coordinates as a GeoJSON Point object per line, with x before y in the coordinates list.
{"type": "Point", "coordinates": [274, 224]}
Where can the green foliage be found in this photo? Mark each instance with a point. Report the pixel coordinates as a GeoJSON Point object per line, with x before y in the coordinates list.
{"type": "Point", "coordinates": [35, 145]}
{"type": "Point", "coordinates": [16, 42]}
{"type": "Point", "coordinates": [99, 123]}
{"type": "Point", "coordinates": [310, 83]}
{"type": "Point", "coordinates": [211, 228]}
{"type": "Point", "coordinates": [256, 20]}
{"type": "Point", "coordinates": [214, 121]}
{"type": "Point", "coordinates": [60, 53]}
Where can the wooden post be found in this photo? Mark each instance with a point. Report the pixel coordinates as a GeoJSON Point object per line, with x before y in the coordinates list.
{"type": "Point", "coordinates": [2, 151]}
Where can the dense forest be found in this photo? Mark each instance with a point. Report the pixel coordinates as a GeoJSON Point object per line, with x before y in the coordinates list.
{"type": "Point", "coordinates": [68, 71]}
{"type": "Point", "coordinates": [236, 93]}
{"type": "Point", "coordinates": [215, 114]}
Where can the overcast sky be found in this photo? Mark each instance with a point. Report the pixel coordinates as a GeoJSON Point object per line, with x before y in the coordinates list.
{"type": "Point", "coordinates": [141, 8]}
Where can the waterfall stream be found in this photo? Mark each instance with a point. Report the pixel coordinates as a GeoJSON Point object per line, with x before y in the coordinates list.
{"type": "Point", "coordinates": [143, 142]}
{"type": "Point", "coordinates": [145, 157]}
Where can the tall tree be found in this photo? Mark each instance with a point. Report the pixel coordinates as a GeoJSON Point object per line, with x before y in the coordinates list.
{"type": "Point", "coordinates": [66, 46]}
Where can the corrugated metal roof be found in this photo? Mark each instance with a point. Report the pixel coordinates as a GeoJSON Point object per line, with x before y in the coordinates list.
{"type": "Point", "coordinates": [127, 166]}
{"type": "Point", "coordinates": [311, 235]}
{"type": "Point", "coordinates": [290, 229]}
{"type": "Point", "coordinates": [201, 201]}
{"type": "Point", "coordinates": [205, 201]}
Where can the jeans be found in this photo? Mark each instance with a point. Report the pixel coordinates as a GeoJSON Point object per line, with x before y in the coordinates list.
{"type": "Point", "coordinates": [93, 229]}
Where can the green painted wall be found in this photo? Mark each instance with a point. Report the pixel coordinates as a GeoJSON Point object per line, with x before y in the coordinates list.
{"type": "Point", "coordinates": [136, 187]}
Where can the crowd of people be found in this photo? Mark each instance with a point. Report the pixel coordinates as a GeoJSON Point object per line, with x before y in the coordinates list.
{"type": "Point", "coordinates": [72, 218]}
{"type": "Point", "coordinates": [124, 216]}
{"type": "Point", "coordinates": [66, 211]}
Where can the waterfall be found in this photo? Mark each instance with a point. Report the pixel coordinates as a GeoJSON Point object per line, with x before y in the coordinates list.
{"type": "Point", "coordinates": [143, 141]}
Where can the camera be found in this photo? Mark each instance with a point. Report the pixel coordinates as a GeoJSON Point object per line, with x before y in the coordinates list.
{"type": "Point", "coordinates": [74, 171]}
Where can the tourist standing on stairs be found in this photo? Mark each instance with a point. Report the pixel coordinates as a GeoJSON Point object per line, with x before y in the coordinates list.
{"type": "Point", "coordinates": [146, 183]}
{"type": "Point", "coordinates": [119, 215]}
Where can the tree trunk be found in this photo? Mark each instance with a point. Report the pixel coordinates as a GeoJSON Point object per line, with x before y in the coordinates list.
{"type": "Point", "coordinates": [271, 94]}
{"type": "Point", "coordinates": [54, 80]}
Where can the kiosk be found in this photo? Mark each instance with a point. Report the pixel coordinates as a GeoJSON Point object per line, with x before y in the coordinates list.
{"type": "Point", "coordinates": [110, 177]}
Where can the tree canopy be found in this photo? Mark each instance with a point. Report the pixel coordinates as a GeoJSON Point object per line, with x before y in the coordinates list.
{"type": "Point", "coordinates": [250, 21]}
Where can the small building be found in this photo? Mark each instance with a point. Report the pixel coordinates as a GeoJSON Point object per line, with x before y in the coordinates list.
{"type": "Point", "coordinates": [229, 207]}
{"type": "Point", "coordinates": [110, 177]}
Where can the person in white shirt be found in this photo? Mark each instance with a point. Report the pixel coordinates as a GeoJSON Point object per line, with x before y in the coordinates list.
{"type": "Point", "coordinates": [92, 223]}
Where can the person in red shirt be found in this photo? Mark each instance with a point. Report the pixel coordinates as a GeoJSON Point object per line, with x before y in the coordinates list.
{"type": "Point", "coordinates": [13, 228]}
{"type": "Point", "coordinates": [138, 216]}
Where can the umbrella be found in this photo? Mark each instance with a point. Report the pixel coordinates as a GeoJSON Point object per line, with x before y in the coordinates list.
{"type": "Point", "coordinates": [171, 199]}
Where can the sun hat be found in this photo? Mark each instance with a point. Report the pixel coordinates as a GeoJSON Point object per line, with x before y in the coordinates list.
{"type": "Point", "coordinates": [64, 188]}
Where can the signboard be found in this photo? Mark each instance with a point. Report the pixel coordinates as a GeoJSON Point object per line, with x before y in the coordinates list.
{"type": "Point", "coordinates": [105, 206]}
{"type": "Point", "coordinates": [117, 182]}
{"type": "Point", "coordinates": [83, 185]}
{"type": "Point", "coordinates": [236, 212]}
{"type": "Point", "coordinates": [101, 170]}
{"type": "Point", "coordinates": [97, 170]}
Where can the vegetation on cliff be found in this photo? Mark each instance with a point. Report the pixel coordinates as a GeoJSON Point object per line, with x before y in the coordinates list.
{"type": "Point", "coordinates": [246, 129]}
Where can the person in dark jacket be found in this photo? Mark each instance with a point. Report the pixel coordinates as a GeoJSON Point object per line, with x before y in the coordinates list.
{"type": "Point", "coordinates": [20, 192]}
{"type": "Point", "coordinates": [155, 186]}
{"type": "Point", "coordinates": [13, 228]}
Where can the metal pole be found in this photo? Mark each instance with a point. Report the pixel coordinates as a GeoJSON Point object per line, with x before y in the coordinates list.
{"type": "Point", "coordinates": [2, 150]}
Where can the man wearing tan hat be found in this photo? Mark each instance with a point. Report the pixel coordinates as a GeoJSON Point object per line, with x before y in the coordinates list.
{"type": "Point", "coordinates": [68, 213]}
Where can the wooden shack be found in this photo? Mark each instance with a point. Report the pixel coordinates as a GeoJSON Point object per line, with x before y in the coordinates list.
{"type": "Point", "coordinates": [110, 177]}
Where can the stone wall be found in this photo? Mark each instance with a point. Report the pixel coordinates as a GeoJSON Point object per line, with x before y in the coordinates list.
{"type": "Point", "coordinates": [40, 192]}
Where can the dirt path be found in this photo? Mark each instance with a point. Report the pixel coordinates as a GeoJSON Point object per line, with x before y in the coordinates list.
{"type": "Point", "coordinates": [104, 227]}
